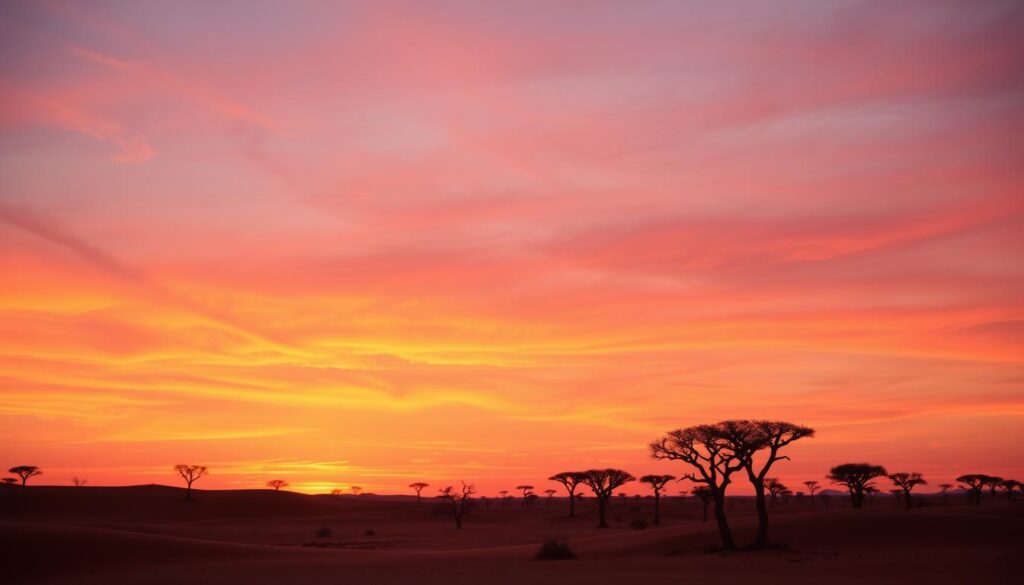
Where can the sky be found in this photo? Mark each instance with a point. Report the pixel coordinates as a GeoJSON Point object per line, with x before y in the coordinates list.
{"type": "Point", "coordinates": [373, 243]}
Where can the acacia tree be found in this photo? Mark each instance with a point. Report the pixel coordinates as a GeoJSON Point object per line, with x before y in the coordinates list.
{"type": "Point", "coordinates": [871, 490]}
{"type": "Point", "coordinates": [657, 483]}
{"type": "Point", "coordinates": [786, 493]}
{"type": "Point", "coordinates": [812, 486]}
{"type": "Point", "coordinates": [570, 480]}
{"type": "Point", "coordinates": [457, 502]}
{"type": "Point", "coordinates": [1008, 486]}
{"type": "Point", "coordinates": [855, 476]}
{"type": "Point", "coordinates": [504, 497]}
{"type": "Point", "coordinates": [78, 482]}
{"type": "Point", "coordinates": [356, 489]}
{"type": "Point", "coordinates": [993, 482]}
{"type": "Point", "coordinates": [527, 492]}
{"type": "Point", "coordinates": [943, 488]}
{"type": "Point", "coordinates": [703, 493]}
{"type": "Point", "coordinates": [277, 484]}
{"type": "Point", "coordinates": [974, 483]}
{"type": "Point", "coordinates": [758, 444]}
{"type": "Point", "coordinates": [775, 487]}
{"type": "Point", "coordinates": [550, 493]}
{"type": "Point", "coordinates": [25, 472]}
{"type": "Point", "coordinates": [418, 486]}
{"type": "Point", "coordinates": [906, 482]}
{"type": "Point", "coordinates": [714, 459]}
{"type": "Point", "coordinates": [336, 492]}
{"type": "Point", "coordinates": [603, 483]}
{"type": "Point", "coordinates": [190, 473]}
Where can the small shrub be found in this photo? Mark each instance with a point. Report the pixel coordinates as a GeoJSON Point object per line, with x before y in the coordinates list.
{"type": "Point", "coordinates": [324, 532]}
{"type": "Point", "coordinates": [554, 549]}
{"type": "Point", "coordinates": [639, 524]}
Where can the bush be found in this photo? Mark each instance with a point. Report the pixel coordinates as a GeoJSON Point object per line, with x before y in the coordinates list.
{"type": "Point", "coordinates": [370, 532]}
{"type": "Point", "coordinates": [555, 550]}
{"type": "Point", "coordinates": [324, 532]}
{"type": "Point", "coordinates": [639, 524]}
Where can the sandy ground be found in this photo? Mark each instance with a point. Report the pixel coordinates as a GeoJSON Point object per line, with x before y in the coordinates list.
{"type": "Point", "coordinates": [148, 534]}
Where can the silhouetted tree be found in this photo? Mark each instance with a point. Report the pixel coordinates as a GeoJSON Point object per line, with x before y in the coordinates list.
{"type": "Point", "coordinates": [757, 444]}
{"type": "Point", "coordinates": [855, 476]}
{"type": "Point", "coordinates": [25, 472]}
{"type": "Point", "coordinates": [707, 449]}
{"type": "Point", "coordinates": [190, 473]}
{"type": "Point", "coordinates": [550, 493]}
{"type": "Point", "coordinates": [356, 489]}
{"type": "Point", "coordinates": [1008, 486]}
{"type": "Point", "coordinates": [603, 483]}
{"type": "Point", "coordinates": [812, 487]}
{"type": "Point", "coordinates": [785, 494]}
{"type": "Point", "coordinates": [504, 497]}
{"type": "Point", "coordinates": [78, 482]}
{"type": "Point", "coordinates": [907, 482]}
{"type": "Point", "coordinates": [993, 482]}
{"type": "Point", "coordinates": [457, 502]}
{"type": "Point", "coordinates": [418, 486]}
{"type": "Point", "coordinates": [871, 490]}
{"type": "Point", "coordinates": [943, 488]}
{"type": "Point", "coordinates": [277, 484]}
{"type": "Point", "coordinates": [974, 483]}
{"type": "Point", "coordinates": [570, 480]}
{"type": "Point", "coordinates": [336, 492]}
{"type": "Point", "coordinates": [703, 493]}
{"type": "Point", "coordinates": [775, 488]}
{"type": "Point", "coordinates": [527, 492]}
{"type": "Point", "coordinates": [657, 483]}
{"type": "Point", "coordinates": [825, 498]}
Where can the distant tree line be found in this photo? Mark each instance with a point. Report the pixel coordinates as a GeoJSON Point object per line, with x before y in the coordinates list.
{"type": "Point", "coordinates": [713, 456]}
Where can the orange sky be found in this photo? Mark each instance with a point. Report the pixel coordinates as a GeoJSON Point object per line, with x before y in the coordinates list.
{"type": "Point", "coordinates": [374, 243]}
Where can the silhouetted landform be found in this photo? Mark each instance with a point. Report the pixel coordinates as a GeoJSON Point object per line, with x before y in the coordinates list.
{"type": "Point", "coordinates": [162, 525]}
{"type": "Point", "coordinates": [150, 534]}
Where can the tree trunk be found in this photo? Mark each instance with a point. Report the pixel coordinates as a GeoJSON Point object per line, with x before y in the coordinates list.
{"type": "Point", "coordinates": [723, 524]}
{"type": "Point", "coordinates": [856, 500]}
{"type": "Point", "coordinates": [458, 522]}
{"type": "Point", "coordinates": [188, 491]}
{"type": "Point", "coordinates": [657, 508]}
{"type": "Point", "coordinates": [762, 515]}
{"type": "Point", "coordinates": [601, 503]}
{"type": "Point", "coordinates": [572, 503]}
{"type": "Point", "coordinates": [906, 499]}
{"type": "Point", "coordinates": [705, 512]}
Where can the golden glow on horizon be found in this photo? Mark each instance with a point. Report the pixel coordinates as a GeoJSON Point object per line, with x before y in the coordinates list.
{"type": "Point", "coordinates": [353, 245]}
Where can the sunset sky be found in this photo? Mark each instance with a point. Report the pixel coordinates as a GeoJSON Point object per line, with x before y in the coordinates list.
{"type": "Point", "coordinates": [373, 243]}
